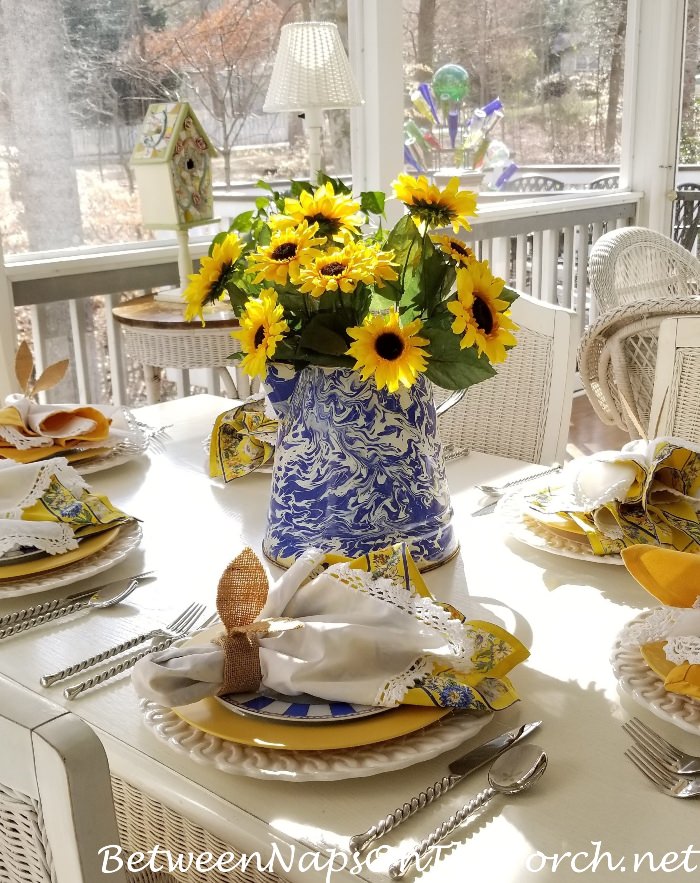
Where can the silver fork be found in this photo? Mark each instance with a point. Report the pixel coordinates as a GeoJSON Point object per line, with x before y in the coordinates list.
{"type": "Point", "coordinates": [666, 782]}
{"type": "Point", "coordinates": [492, 490]}
{"type": "Point", "coordinates": [675, 761]}
{"type": "Point", "coordinates": [169, 631]}
{"type": "Point", "coordinates": [130, 661]}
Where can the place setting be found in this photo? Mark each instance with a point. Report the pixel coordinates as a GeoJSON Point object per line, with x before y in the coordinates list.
{"type": "Point", "coordinates": [342, 668]}
{"type": "Point", "coordinates": [596, 506]}
{"type": "Point", "coordinates": [55, 530]}
{"type": "Point", "coordinates": [91, 438]}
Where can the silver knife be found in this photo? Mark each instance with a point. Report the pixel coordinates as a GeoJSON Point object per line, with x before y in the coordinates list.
{"type": "Point", "coordinates": [459, 769]}
{"type": "Point", "coordinates": [48, 606]}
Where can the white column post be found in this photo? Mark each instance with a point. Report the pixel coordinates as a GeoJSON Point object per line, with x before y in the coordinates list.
{"type": "Point", "coordinates": [8, 334]}
{"type": "Point", "coordinates": [651, 106]}
{"type": "Point", "coordinates": [375, 37]}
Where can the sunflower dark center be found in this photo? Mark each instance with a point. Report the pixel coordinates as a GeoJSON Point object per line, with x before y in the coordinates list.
{"type": "Point", "coordinates": [285, 252]}
{"type": "Point", "coordinates": [460, 248]}
{"type": "Point", "coordinates": [389, 346]}
{"type": "Point", "coordinates": [333, 269]}
{"type": "Point", "coordinates": [482, 315]}
{"type": "Point", "coordinates": [259, 336]}
{"type": "Point", "coordinates": [326, 225]}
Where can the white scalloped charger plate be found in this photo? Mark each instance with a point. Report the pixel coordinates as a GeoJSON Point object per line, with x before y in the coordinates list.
{"type": "Point", "coordinates": [128, 538]}
{"type": "Point", "coordinates": [636, 678]}
{"type": "Point", "coordinates": [112, 458]}
{"type": "Point", "coordinates": [306, 766]}
{"type": "Point", "coordinates": [511, 509]}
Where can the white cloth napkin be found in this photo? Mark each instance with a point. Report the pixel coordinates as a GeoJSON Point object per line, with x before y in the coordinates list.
{"type": "Point", "coordinates": [21, 485]}
{"type": "Point", "coordinates": [364, 640]}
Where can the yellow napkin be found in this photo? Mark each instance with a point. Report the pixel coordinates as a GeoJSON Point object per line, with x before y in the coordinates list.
{"type": "Point", "coordinates": [649, 492]}
{"type": "Point", "coordinates": [243, 439]}
{"type": "Point", "coordinates": [30, 431]}
{"type": "Point", "coordinates": [674, 579]}
{"type": "Point", "coordinates": [49, 506]}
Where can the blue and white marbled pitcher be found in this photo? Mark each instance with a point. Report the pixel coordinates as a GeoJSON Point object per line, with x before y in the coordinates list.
{"type": "Point", "coordinates": [356, 468]}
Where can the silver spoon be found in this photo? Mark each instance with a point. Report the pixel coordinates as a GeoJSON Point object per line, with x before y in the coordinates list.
{"type": "Point", "coordinates": [510, 774]}
{"type": "Point", "coordinates": [493, 490]}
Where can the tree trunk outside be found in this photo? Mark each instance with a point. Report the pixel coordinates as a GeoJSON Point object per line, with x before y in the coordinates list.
{"type": "Point", "coordinates": [426, 33]}
{"type": "Point", "coordinates": [36, 82]}
{"type": "Point", "coordinates": [615, 81]}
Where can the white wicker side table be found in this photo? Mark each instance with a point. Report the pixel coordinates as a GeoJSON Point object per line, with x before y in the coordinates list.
{"type": "Point", "coordinates": [157, 336]}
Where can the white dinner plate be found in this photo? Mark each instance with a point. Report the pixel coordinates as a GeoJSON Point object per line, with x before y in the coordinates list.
{"type": "Point", "coordinates": [110, 459]}
{"type": "Point", "coordinates": [128, 538]}
{"type": "Point", "coordinates": [511, 509]}
{"type": "Point", "coordinates": [306, 766]}
{"type": "Point", "coordinates": [295, 709]}
{"type": "Point", "coordinates": [638, 680]}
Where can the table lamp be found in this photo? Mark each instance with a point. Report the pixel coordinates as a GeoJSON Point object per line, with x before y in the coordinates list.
{"type": "Point", "coordinates": [311, 73]}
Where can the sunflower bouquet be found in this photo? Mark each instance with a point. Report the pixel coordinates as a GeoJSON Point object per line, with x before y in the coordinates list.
{"type": "Point", "coordinates": [310, 285]}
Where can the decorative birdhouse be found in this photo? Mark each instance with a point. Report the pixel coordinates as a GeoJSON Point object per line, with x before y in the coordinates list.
{"type": "Point", "coordinates": [172, 165]}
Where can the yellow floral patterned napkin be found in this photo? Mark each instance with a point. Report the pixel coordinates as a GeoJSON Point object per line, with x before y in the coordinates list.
{"type": "Point", "coordinates": [647, 493]}
{"type": "Point", "coordinates": [365, 631]}
{"type": "Point", "coordinates": [49, 506]}
{"type": "Point", "coordinates": [669, 637]}
{"type": "Point", "coordinates": [243, 439]}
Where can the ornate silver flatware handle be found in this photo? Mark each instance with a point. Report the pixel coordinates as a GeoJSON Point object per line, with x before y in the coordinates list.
{"type": "Point", "coordinates": [359, 842]}
{"type": "Point", "coordinates": [124, 665]}
{"type": "Point", "coordinates": [29, 612]}
{"type": "Point", "coordinates": [33, 621]}
{"type": "Point", "coordinates": [48, 680]}
{"type": "Point", "coordinates": [400, 868]}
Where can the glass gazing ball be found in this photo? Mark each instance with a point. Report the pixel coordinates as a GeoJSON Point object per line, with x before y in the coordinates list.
{"type": "Point", "coordinates": [451, 83]}
{"type": "Point", "coordinates": [497, 154]}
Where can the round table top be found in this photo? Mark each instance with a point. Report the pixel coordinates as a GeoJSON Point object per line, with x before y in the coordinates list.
{"type": "Point", "coordinates": [147, 312]}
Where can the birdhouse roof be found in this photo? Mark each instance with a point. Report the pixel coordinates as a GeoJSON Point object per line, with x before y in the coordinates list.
{"type": "Point", "coordinates": [161, 130]}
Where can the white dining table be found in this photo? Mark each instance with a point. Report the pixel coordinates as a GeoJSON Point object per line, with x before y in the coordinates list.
{"type": "Point", "coordinates": [592, 813]}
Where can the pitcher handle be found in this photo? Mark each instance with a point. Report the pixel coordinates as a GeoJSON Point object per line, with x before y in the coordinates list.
{"type": "Point", "coordinates": [450, 402]}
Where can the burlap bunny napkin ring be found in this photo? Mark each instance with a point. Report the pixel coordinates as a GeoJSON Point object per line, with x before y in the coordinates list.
{"type": "Point", "coordinates": [241, 596]}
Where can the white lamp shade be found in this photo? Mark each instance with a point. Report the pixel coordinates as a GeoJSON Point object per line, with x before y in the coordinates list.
{"type": "Point", "coordinates": [311, 70]}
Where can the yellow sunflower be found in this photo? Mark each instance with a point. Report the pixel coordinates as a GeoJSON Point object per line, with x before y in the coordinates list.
{"type": "Point", "coordinates": [209, 283]}
{"type": "Point", "coordinates": [458, 250]}
{"type": "Point", "coordinates": [333, 212]}
{"type": "Point", "coordinates": [437, 208]}
{"type": "Point", "coordinates": [379, 265]}
{"type": "Point", "coordinates": [283, 257]}
{"type": "Point", "coordinates": [480, 315]}
{"type": "Point", "coordinates": [262, 326]}
{"type": "Point", "coordinates": [393, 354]}
{"type": "Point", "coordinates": [339, 269]}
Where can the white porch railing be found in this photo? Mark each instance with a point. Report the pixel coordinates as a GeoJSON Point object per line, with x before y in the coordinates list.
{"type": "Point", "coordinates": [540, 246]}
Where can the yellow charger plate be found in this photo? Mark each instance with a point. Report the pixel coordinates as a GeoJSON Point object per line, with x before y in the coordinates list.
{"type": "Point", "coordinates": [212, 717]}
{"type": "Point", "coordinates": [88, 546]}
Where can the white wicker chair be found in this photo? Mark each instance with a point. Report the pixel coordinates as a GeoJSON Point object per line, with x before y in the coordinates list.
{"type": "Point", "coordinates": [55, 798]}
{"type": "Point", "coordinates": [617, 359]}
{"type": "Point", "coordinates": [634, 263]}
{"type": "Point", "coordinates": [675, 405]}
{"type": "Point", "coordinates": [523, 411]}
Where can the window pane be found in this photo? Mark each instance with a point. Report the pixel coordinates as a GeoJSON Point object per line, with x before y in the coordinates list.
{"type": "Point", "coordinates": [556, 66]}
{"type": "Point", "coordinates": [78, 76]}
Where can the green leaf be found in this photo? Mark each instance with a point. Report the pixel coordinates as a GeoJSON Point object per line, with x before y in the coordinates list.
{"type": "Point", "coordinates": [319, 337]}
{"type": "Point", "coordinates": [237, 295]}
{"type": "Point", "coordinates": [242, 223]}
{"type": "Point", "coordinates": [451, 367]}
{"type": "Point", "coordinates": [337, 185]}
{"type": "Point", "coordinates": [216, 240]}
{"type": "Point", "coordinates": [299, 187]}
{"type": "Point", "coordinates": [508, 294]}
{"type": "Point", "coordinates": [372, 202]}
